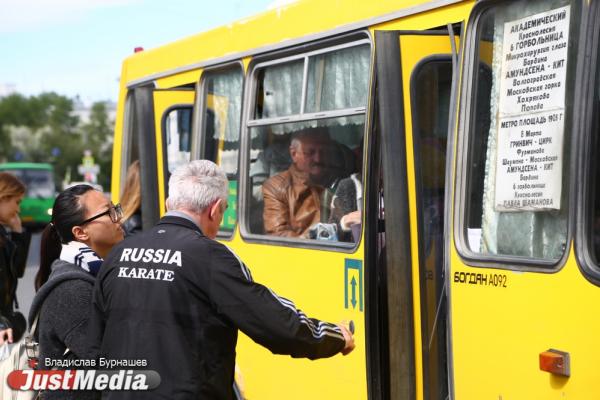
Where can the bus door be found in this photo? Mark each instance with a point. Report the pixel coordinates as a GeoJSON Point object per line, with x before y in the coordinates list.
{"type": "Point", "coordinates": [519, 301]}
{"type": "Point", "coordinates": [414, 84]}
{"type": "Point", "coordinates": [173, 127]}
{"type": "Point", "coordinates": [155, 131]}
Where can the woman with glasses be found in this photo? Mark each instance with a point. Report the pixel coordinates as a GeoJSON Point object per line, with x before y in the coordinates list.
{"type": "Point", "coordinates": [84, 228]}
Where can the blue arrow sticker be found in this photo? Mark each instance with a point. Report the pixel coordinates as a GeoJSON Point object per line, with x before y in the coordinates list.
{"type": "Point", "coordinates": [353, 284]}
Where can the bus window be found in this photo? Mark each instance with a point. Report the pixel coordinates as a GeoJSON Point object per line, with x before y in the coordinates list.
{"type": "Point", "coordinates": [222, 102]}
{"type": "Point", "coordinates": [324, 91]}
{"type": "Point", "coordinates": [519, 140]}
{"type": "Point", "coordinates": [36, 207]}
{"type": "Point", "coordinates": [177, 129]}
{"type": "Point", "coordinates": [40, 183]}
{"type": "Point", "coordinates": [278, 90]}
{"type": "Point", "coordinates": [430, 88]}
{"type": "Point", "coordinates": [306, 176]}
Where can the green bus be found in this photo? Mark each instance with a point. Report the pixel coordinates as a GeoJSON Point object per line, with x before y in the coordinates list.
{"type": "Point", "coordinates": [36, 207]}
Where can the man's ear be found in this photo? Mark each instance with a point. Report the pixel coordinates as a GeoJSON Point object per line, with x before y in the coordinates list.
{"type": "Point", "coordinates": [293, 151]}
{"type": "Point", "coordinates": [215, 208]}
{"type": "Point", "coordinates": [79, 234]}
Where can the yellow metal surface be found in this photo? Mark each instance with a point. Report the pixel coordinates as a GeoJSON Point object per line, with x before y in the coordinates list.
{"type": "Point", "coordinates": [184, 78]}
{"type": "Point", "coordinates": [437, 18]}
{"type": "Point", "coordinates": [292, 21]}
{"type": "Point", "coordinates": [115, 186]}
{"type": "Point", "coordinates": [314, 280]}
{"type": "Point", "coordinates": [246, 62]}
{"type": "Point", "coordinates": [498, 333]}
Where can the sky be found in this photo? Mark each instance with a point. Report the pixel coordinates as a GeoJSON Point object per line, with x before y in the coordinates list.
{"type": "Point", "coordinates": [75, 47]}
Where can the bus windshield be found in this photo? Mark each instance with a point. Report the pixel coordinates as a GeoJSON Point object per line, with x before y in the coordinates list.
{"type": "Point", "coordinates": [39, 182]}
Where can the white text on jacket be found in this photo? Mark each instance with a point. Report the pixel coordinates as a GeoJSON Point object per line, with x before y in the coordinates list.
{"type": "Point", "coordinates": [157, 256]}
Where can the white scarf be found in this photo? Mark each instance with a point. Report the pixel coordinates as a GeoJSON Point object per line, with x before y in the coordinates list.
{"type": "Point", "coordinates": [81, 255]}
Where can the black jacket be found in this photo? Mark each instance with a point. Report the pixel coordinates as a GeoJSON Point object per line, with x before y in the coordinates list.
{"type": "Point", "coordinates": [344, 202]}
{"type": "Point", "coordinates": [133, 224]}
{"type": "Point", "coordinates": [176, 298]}
{"type": "Point", "coordinates": [13, 258]}
{"type": "Point", "coordinates": [64, 304]}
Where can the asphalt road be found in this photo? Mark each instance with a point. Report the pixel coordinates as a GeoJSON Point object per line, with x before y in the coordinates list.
{"type": "Point", "coordinates": [25, 290]}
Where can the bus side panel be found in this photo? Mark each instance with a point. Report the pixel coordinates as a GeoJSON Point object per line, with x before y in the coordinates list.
{"type": "Point", "coordinates": [319, 284]}
{"type": "Point", "coordinates": [502, 320]}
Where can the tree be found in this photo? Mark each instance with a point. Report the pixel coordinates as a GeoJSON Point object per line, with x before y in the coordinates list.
{"type": "Point", "coordinates": [40, 129]}
{"type": "Point", "coordinates": [15, 110]}
{"type": "Point", "coordinates": [61, 140]}
{"type": "Point", "coordinates": [45, 128]}
{"type": "Point", "coordinates": [98, 136]}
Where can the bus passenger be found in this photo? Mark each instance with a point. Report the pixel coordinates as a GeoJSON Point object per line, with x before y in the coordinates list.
{"type": "Point", "coordinates": [292, 199]}
{"type": "Point", "coordinates": [347, 203]}
{"type": "Point", "coordinates": [175, 297]}
{"type": "Point", "coordinates": [346, 207]}
{"type": "Point", "coordinates": [131, 200]}
{"type": "Point", "coordinates": [13, 257]}
{"type": "Point", "coordinates": [85, 226]}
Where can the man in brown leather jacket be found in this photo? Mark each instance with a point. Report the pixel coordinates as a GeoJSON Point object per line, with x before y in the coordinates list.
{"type": "Point", "coordinates": [293, 197]}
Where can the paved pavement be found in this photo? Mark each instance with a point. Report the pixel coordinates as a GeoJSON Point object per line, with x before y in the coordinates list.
{"type": "Point", "coordinates": [25, 290]}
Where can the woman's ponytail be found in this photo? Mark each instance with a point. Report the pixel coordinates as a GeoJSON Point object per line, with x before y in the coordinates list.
{"type": "Point", "coordinates": [50, 248]}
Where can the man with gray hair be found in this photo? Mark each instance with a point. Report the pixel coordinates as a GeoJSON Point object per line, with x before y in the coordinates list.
{"type": "Point", "coordinates": [175, 297]}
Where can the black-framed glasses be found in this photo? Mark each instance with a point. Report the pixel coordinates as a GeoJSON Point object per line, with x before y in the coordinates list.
{"type": "Point", "coordinates": [114, 212]}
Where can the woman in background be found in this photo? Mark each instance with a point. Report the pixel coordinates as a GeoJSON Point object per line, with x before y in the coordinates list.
{"type": "Point", "coordinates": [131, 200]}
{"type": "Point", "coordinates": [14, 246]}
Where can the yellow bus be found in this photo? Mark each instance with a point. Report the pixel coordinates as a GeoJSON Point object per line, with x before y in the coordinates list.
{"type": "Point", "coordinates": [470, 133]}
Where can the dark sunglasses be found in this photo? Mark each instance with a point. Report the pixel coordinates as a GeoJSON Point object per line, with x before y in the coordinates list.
{"type": "Point", "coordinates": [114, 212]}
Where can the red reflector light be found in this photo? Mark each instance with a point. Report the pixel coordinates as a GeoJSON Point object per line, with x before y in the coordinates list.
{"type": "Point", "coordinates": [138, 49]}
{"type": "Point", "coordinates": [556, 362]}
